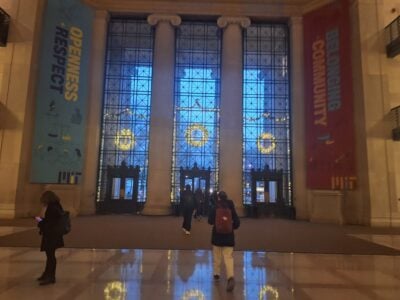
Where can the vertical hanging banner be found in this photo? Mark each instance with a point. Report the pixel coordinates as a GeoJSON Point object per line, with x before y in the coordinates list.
{"type": "Point", "coordinates": [62, 92]}
{"type": "Point", "coordinates": [330, 145]}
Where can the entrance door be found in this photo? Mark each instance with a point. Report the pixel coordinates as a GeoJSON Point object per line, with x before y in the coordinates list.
{"type": "Point", "coordinates": [267, 194]}
{"type": "Point", "coordinates": [121, 190]}
{"type": "Point", "coordinates": [197, 179]}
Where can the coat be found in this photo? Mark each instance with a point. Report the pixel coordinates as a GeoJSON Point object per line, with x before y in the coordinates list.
{"type": "Point", "coordinates": [220, 239]}
{"type": "Point", "coordinates": [187, 200]}
{"type": "Point", "coordinates": [51, 239]}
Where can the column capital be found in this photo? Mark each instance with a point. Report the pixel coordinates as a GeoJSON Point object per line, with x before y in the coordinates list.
{"type": "Point", "coordinates": [224, 21]}
{"type": "Point", "coordinates": [154, 19]}
{"type": "Point", "coordinates": [297, 20]}
{"type": "Point", "coordinates": [102, 14]}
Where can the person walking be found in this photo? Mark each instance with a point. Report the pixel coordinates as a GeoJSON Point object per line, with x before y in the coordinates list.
{"type": "Point", "coordinates": [199, 199]}
{"type": "Point", "coordinates": [52, 238]}
{"type": "Point", "coordinates": [187, 202]}
{"type": "Point", "coordinates": [225, 220]}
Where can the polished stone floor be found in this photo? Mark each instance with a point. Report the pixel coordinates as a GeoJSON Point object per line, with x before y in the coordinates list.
{"type": "Point", "coordinates": [184, 274]}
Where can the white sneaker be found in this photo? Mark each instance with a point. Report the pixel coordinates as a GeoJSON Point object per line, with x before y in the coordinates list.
{"type": "Point", "coordinates": [187, 232]}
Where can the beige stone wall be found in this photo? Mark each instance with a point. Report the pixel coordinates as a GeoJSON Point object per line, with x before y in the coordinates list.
{"type": "Point", "coordinates": [390, 11]}
{"type": "Point", "coordinates": [375, 79]}
{"type": "Point", "coordinates": [15, 104]}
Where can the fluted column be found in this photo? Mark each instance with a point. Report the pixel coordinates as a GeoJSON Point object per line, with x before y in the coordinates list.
{"type": "Point", "coordinates": [298, 118]}
{"type": "Point", "coordinates": [162, 115]}
{"type": "Point", "coordinates": [96, 79]}
{"type": "Point", "coordinates": [231, 112]}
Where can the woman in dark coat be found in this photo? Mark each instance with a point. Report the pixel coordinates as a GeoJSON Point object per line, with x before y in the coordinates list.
{"type": "Point", "coordinates": [223, 243]}
{"type": "Point", "coordinates": [52, 239]}
{"type": "Point", "coordinates": [187, 203]}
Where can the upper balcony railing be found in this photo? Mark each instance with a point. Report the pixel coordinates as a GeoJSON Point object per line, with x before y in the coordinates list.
{"type": "Point", "coordinates": [392, 38]}
{"type": "Point", "coordinates": [395, 114]}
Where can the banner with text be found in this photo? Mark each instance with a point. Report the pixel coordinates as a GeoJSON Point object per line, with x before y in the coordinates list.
{"type": "Point", "coordinates": [330, 145]}
{"type": "Point", "coordinates": [62, 91]}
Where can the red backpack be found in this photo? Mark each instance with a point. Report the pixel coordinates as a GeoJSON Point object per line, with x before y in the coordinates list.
{"type": "Point", "coordinates": [223, 219]}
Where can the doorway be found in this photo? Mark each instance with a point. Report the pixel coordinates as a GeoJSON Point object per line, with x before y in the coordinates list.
{"type": "Point", "coordinates": [199, 182]}
{"type": "Point", "coordinates": [267, 194]}
{"type": "Point", "coordinates": [121, 190]}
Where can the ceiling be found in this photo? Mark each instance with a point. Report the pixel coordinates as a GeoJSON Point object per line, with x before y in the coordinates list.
{"type": "Point", "coordinates": [285, 7]}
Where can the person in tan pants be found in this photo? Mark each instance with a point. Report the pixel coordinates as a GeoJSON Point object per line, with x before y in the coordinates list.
{"type": "Point", "coordinates": [223, 243]}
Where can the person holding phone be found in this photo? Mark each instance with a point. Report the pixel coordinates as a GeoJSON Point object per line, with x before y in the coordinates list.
{"type": "Point", "coordinates": [51, 238]}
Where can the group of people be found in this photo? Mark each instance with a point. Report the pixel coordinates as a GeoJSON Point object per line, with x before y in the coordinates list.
{"type": "Point", "coordinates": [221, 215]}
{"type": "Point", "coordinates": [224, 219]}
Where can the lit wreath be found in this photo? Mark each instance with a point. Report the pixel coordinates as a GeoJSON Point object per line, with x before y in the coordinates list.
{"type": "Point", "coordinates": [189, 135]}
{"type": "Point", "coordinates": [261, 147]}
{"type": "Point", "coordinates": [193, 294]}
{"type": "Point", "coordinates": [270, 290]}
{"type": "Point", "coordinates": [125, 140]}
{"type": "Point", "coordinates": [114, 290]}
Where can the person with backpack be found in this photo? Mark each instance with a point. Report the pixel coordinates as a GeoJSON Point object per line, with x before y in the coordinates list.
{"type": "Point", "coordinates": [225, 220]}
{"type": "Point", "coordinates": [52, 234]}
{"type": "Point", "coordinates": [187, 203]}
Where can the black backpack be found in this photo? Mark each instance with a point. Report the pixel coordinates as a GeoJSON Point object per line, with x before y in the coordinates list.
{"type": "Point", "coordinates": [64, 223]}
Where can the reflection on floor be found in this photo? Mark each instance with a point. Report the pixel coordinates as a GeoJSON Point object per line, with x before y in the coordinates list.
{"type": "Point", "coordinates": [5, 230]}
{"type": "Point", "coordinates": [183, 274]}
{"type": "Point", "coordinates": [392, 241]}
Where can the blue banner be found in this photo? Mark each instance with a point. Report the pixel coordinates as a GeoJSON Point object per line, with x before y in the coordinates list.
{"type": "Point", "coordinates": [62, 92]}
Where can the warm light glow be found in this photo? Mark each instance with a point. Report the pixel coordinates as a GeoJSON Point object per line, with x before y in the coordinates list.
{"type": "Point", "coordinates": [125, 140]}
{"type": "Point", "coordinates": [114, 290]}
{"type": "Point", "coordinates": [260, 145]}
{"type": "Point", "coordinates": [268, 292]}
{"type": "Point", "coordinates": [193, 140]}
{"type": "Point", "coordinates": [193, 294]}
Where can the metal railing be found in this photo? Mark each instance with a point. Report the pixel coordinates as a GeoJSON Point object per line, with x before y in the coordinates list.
{"type": "Point", "coordinates": [392, 38]}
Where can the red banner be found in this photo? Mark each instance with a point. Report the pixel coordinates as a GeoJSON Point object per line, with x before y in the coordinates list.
{"type": "Point", "coordinates": [330, 145]}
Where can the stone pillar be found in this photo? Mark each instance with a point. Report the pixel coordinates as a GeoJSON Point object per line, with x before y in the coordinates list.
{"type": "Point", "coordinates": [88, 188]}
{"type": "Point", "coordinates": [231, 109]}
{"type": "Point", "coordinates": [18, 68]}
{"type": "Point", "coordinates": [162, 116]}
{"type": "Point", "coordinates": [376, 166]}
{"type": "Point", "coordinates": [298, 119]}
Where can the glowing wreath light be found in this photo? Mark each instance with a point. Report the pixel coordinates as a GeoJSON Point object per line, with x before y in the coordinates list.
{"type": "Point", "coordinates": [125, 140]}
{"type": "Point", "coordinates": [260, 145]}
{"type": "Point", "coordinates": [114, 290]}
{"type": "Point", "coordinates": [268, 290]}
{"type": "Point", "coordinates": [192, 140]}
{"type": "Point", "coordinates": [193, 294]}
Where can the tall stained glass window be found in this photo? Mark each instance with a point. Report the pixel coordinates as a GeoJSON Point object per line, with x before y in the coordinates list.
{"type": "Point", "coordinates": [266, 104]}
{"type": "Point", "coordinates": [126, 107]}
{"type": "Point", "coordinates": [197, 90]}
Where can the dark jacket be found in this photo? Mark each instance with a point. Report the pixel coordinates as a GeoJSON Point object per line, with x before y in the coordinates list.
{"type": "Point", "coordinates": [219, 239]}
{"type": "Point", "coordinates": [187, 200]}
{"type": "Point", "coordinates": [51, 239]}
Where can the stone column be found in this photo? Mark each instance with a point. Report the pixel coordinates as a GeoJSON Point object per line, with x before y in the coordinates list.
{"type": "Point", "coordinates": [18, 71]}
{"type": "Point", "coordinates": [231, 109]}
{"type": "Point", "coordinates": [298, 119]}
{"type": "Point", "coordinates": [162, 116]}
{"type": "Point", "coordinates": [99, 37]}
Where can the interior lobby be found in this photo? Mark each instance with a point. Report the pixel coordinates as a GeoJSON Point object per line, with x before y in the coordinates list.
{"type": "Point", "coordinates": [290, 106]}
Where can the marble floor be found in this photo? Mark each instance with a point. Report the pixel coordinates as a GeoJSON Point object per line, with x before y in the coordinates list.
{"type": "Point", "coordinates": [117, 274]}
